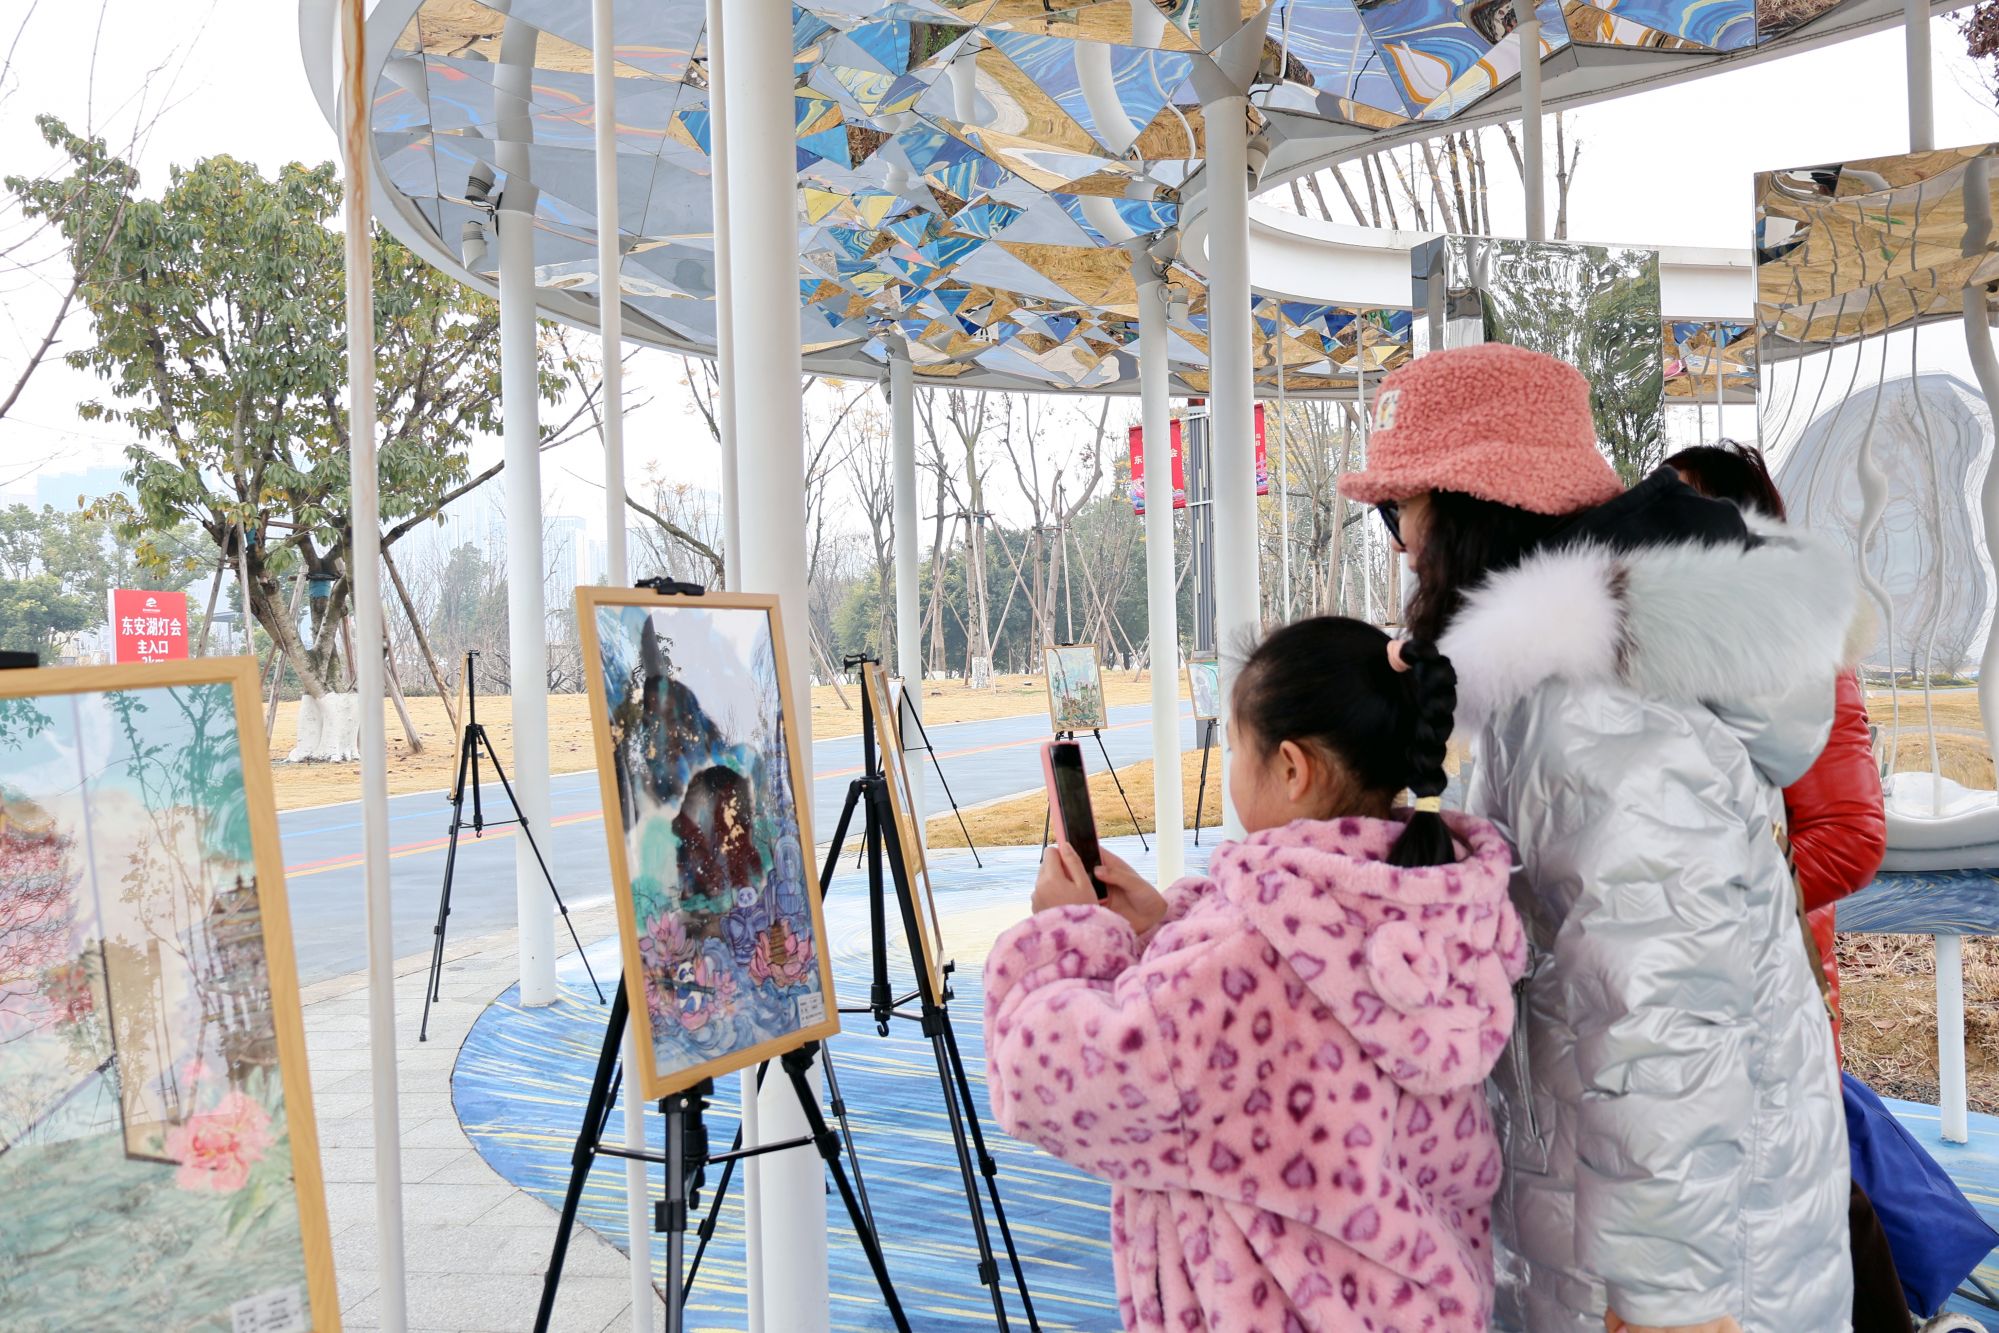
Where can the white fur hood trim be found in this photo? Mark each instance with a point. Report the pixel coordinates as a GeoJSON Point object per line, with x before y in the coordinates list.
{"type": "Point", "coordinates": [1689, 623]}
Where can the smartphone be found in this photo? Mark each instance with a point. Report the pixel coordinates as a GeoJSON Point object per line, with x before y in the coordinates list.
{"type": "Point", "coordinates": [1070, 815]}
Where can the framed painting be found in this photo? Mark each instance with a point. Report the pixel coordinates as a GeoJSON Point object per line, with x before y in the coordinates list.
{"type": "Point", "coordinates": [154, 1101]}
{"type": "Point", "coordinates": [1204, 684]}
{"type": "Point", "coordinates": [1075, 687]}
{"type": "Point", "coordinates": [903, 805]}
{"type": "Point", "coordinates": [710, 829]}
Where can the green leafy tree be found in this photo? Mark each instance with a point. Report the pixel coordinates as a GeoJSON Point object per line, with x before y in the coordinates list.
{"type": "Point", "coordinates": [56, 568]}
{"type": "Point", "coordinates": [219, 315]}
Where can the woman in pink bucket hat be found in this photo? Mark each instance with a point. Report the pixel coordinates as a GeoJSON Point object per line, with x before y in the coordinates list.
{"type": "Point", "coordinates": [1641, 674]}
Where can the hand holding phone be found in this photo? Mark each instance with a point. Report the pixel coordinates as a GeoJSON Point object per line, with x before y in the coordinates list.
{"type": "Point", "coordinates": [1070, 815]}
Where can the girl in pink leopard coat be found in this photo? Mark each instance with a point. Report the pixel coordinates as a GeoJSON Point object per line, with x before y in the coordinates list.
{"type": "Point", "coordinates": [1280, 1068]}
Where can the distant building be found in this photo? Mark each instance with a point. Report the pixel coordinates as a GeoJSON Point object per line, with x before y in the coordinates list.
{"type": "Point", "coordinates": [71, 490]}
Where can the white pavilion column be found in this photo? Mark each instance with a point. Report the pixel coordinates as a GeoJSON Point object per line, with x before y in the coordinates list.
{"type": "Point", "coordinates": [1231, 389]}
{"type": "Point", "coordinates": [908, 575]}
{"type": "Point", "coordinates": [1533, 172]}
{"type": "Point", "coordinates": [617, 565]}
{"type": "Point", "coordinates": [367, 557]}
{"type": "Point", "coordinates": [725, 366]}
{"type": "Point", "coordinates": [1162, 609]}
{"type": "Point", "coordinates": [757, 84]}
{"type": "Point", "coordinates": [520, 407]}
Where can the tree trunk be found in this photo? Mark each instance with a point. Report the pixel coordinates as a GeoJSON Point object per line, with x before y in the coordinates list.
{"type": "Point", "coordinates": [410, 733]}
{"type": "Point", "coordinates": [282, 629]}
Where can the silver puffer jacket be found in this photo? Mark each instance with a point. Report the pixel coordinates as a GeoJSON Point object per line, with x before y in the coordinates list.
{"type": "Point", "coordinates": [1670, 1101]}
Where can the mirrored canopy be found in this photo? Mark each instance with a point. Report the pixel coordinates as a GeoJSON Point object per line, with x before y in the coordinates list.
{"type": "Point", "coordinates": [970, 172]}
{"type": "Point", "coordinates": [1849, 249]}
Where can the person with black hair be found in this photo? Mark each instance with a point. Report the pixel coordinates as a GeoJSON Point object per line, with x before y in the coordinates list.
{"type": "Point", "coordinates": [1639, 675]}
{"type": "Point", "coordinates": [1280, 1067]}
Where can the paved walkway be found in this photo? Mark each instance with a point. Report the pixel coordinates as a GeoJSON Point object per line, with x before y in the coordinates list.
{"type": "Point", "coordinates": [475, 1246]}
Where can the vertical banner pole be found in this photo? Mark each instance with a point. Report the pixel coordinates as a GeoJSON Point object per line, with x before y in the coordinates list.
{"type": "Point", "coordinates": [367, 558]}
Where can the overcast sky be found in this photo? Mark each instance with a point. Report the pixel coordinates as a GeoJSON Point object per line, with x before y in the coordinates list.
{"type": "Point", "coordinates": [1671, 167]}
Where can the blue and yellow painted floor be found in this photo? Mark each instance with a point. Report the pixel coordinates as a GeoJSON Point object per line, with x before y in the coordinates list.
{"type": "Point", "coordinates": [523, 1075]}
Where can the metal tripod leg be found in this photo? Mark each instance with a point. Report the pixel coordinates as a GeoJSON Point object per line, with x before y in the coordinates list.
{"type": "Point", "coordinates": [1119, 784]}
{"type": "Point", "coordinates": [1201, 785]}
{"type": "Point", "coordinates": [990, 1170]}
{"type": "Point", "coordinates": [795, 1064]}
{"type": "Point", "coordinates": [937, 1027]}
{"type": "Point", "coordinates": [938, 764]}
{"type": "Point", "coordinates": [432, 987]}
{"type": "Point", "coordinates": [560, 906]}
{"type": "Point", "coordinates": [595, 1111]}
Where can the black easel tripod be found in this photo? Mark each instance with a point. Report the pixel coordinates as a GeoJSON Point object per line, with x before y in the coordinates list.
{"type": "Point", "coordinates": [686, 1161]}
{"type": "Point", "coordinates": [937, 763]}
{"type": "Point", "coordinates": [1208, 728]}
{"type": "Point", "coordinates": [469, 743]}
{"type": "Point", "coordinates": [869, 794]}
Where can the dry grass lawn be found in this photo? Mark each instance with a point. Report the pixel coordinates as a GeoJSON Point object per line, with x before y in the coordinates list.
{"type": "Point", "coordinates": [1888, 1007]}
{"type": "Point", "coordinates": [569, 744]}
{"type": "Point", "coordinates": [1018, 821]}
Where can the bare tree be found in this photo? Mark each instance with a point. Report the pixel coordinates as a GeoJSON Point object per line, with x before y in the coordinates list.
{"type": "Point", "coordinates": [1047, 485]}
{"type": "Point", "coordinates": [36, 260]}
{"type": "Point", "coordinates": [871, 477]}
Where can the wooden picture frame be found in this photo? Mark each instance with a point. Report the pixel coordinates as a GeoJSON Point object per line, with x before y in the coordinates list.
{"type": "Point", "coordinates": [135, 803]}
{"type": "Point", "coordinates": [724, 967]}
{"type": "Point", "coordinates": [902, 804]}
{"type": "Point", "coordinates": [1078, 705]}
{"type": "Point", "coordinates": [1204, 683]}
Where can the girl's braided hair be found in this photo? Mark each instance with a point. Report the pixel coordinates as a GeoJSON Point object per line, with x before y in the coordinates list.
{"type": "Point", "coordinates": [1327, 681]}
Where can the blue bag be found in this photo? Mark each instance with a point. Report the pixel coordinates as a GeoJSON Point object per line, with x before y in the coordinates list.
{"type": "Point", "coordinates": [1937, 1237]}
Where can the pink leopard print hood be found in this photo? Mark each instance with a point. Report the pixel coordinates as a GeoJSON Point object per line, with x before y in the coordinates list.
{"type": "Point", "coordinates": [1418, 964]}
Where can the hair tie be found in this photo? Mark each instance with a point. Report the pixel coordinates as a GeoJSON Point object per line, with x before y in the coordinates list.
{"type": "Point", "coordinates": [1395, 659]}
{"type": "Point", "coordinates": [1429, 805]}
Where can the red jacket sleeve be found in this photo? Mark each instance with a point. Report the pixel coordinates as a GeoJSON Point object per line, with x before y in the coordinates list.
{"type": "Point", "coordinates": [1838, 831]}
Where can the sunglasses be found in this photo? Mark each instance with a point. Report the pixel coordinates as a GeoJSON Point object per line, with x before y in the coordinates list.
{"type": "Point", "coordinates": [1391, 518]}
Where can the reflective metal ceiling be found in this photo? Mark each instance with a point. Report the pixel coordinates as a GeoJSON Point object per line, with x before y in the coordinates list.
{"type": "Point", "coordinates": [968, 170]}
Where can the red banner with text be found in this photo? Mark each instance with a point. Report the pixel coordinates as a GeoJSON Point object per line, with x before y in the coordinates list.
{"type": "Point", "coordinates": [148, 626]}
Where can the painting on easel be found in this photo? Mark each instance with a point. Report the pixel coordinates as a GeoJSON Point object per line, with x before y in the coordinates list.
{"type": "Point", "coordinates": [153, 1092]}
{"type": "Point", "coordinates": [1075, 687]}
{"type": "Point", "coordinates": [710, 831]}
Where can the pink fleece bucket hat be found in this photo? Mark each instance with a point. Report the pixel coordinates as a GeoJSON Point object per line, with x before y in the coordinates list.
{"type": "Point", "coordinates": [1496, 421]}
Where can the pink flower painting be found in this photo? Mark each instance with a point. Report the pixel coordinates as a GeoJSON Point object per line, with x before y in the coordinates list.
{"type": "Point", "coordinates": [781, 956]}
{"type": "Point", "coordinates": [217, 1148]}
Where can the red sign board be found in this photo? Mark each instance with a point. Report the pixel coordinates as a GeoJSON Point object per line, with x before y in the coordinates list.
{"type": "Point", "coordinates": [1138, 470]}
{"type": "Point", "coordinates": [148, 626]}
{"type": "Point", "coordinates": [1137, 444]}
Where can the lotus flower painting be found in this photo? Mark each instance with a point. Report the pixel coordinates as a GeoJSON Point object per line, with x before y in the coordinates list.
{"type": "Point", "coordinates": [725, 958]}
{"type": "Point", "coordinates": [156, 1148]}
